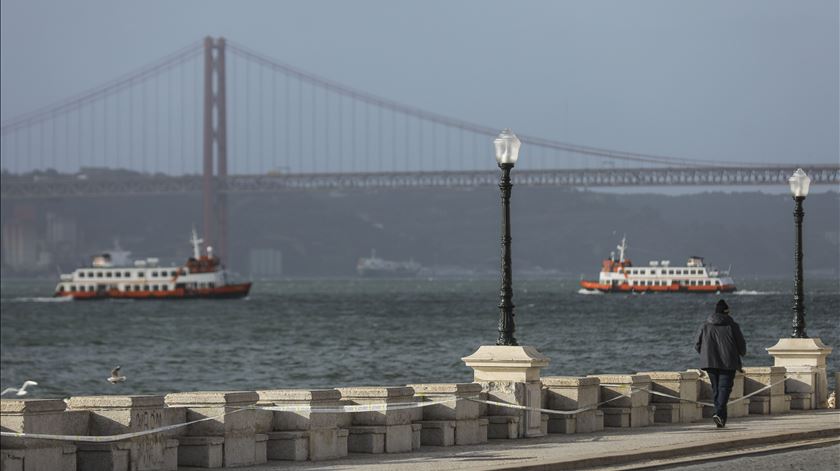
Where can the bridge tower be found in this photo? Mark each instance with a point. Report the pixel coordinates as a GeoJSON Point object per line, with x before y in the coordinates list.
{"type": "Point", "coordinates": [215, 147]}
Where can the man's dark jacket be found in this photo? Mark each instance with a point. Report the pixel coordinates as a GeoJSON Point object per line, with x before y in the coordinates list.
{"type": "Point", "coordinates": [720, 343]}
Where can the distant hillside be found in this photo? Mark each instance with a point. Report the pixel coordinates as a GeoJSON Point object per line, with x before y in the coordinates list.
{"type": "Point", "coordinates": [323, 234]}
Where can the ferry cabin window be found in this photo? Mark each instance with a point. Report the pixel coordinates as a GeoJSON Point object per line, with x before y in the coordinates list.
{"type": "Point", "coordinates": [81, 274]}
{"type": "Point", "coordinates": [140, 274]}
{"type": "Point", "coordinates": [119, 274]}
{"type": "Point", "coordinates": [136, 287]}
{"type": "Point", "coordinates": [60, 288]}
{"type": "Point", "coordinates": [211, 284]}
{"type": "Point", "coordinates": [154, 287]}
{"type": "Point", "coordinates": [154, 274]}
{"type": "Point", "coordinates": [127, 274]}
{"type": "Point", "coordinates": [99, 274]}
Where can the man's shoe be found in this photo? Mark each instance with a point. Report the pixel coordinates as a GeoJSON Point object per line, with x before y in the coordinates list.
{"type": "Point", "coordinates": [718, 421]}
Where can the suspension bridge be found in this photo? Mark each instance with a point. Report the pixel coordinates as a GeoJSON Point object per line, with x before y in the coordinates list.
{"type": "Point", "coordinates": [218, 118]}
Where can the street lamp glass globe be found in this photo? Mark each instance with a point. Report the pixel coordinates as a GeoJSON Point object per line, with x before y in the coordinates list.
{"type": "Point", "coordinates": [799, 183]}
{"type": "Point", "coordinates": [507, 147]}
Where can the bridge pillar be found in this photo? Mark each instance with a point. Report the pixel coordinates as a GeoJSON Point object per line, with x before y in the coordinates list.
{"type": "Point", "coordinates": [215, 146]}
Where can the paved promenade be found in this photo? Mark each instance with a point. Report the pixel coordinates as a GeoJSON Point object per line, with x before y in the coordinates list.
{"type": "Point", "coordinates": [613, 448]}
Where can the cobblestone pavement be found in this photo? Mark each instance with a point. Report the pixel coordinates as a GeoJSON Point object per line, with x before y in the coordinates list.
{"type": "Point", "coordinates": [813, 459]}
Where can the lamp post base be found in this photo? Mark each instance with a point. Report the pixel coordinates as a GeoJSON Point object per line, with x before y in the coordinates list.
{"type": "Point", "coordinates": [511, 374]}
{"type": "Point", "coordinates": [804, 359]}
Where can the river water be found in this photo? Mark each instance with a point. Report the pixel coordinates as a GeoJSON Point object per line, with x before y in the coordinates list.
{"type": "Point", "coordinates": [332, 333]}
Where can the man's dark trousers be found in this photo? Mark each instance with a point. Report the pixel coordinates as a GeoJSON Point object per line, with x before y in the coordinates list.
{"type": "Point", "coordinates": [721, 388]}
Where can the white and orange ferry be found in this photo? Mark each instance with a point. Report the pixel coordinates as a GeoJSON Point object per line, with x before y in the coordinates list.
{"type": "Point", "coordinates": [660, 276]}
{"type": "Point", "coordinates": [112, 276]}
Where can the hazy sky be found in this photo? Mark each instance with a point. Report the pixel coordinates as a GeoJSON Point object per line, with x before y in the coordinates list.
{"type": "Point", "coordinates": [744, 80]}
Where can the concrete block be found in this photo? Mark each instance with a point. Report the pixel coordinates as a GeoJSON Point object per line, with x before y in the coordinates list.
{"type": "Point", "coordinates": [437, 432]}
{"type": "Point", "coordinates": [11, 459]}
{"type": "Point", "coordinates": [562, 424]}
{"type": "Point", "coordinates": [103, 457]}
{"type": "Point", "coordinates": [416, 436]}
{"type": "Point", "coordinates": [289, 445]}
{"type": "Point", "coordinates": [503, 426]}
{"type": "Point", "coordinates": [201, 452]}
{"type": "Point", "coordinates": [327, 444]}
{"type": "Point", "coordinates": [667, 413]}
{"type": "Point", "coordinates": [801, 400]}
{"type": "Point", "coordinates": [260, 448]}
{"type": "Point", "coordinates": [170, 455]}
{"type": "Point", "coordinates": [366, 439]}
{"type": "Point", "coordinates": [805, 355]}
{"type": "Point", "coordinates": [470, 432]}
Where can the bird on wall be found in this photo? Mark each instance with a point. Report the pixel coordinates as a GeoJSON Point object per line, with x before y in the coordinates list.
{"type": "Point", "coordinates": [115, 376]}
{"type": "Point", "coordinates": [20, 391]}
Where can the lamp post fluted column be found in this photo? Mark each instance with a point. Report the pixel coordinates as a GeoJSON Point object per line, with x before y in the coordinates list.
{"type": "Point", "coordinates": [507, 325]}
{"type": "Point", "coordinates": [798, 288]}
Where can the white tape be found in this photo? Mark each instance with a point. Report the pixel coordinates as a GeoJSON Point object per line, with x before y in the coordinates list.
{"type": "Point", "coordinates": [301, 408]}
{"type": "Point", "coordinates": [733, 401]}
{"type": "Point", "coordinates": [546, 411]}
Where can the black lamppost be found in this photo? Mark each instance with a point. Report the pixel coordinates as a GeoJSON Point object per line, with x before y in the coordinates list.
{"type": "Point", "coordinates": [799, 185]}
{"type": "Point", "coordinates": [507, 152]}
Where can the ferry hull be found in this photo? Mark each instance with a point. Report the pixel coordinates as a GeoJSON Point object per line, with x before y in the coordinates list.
{"type": "Point", "coordinates": [673, 288]}
{"type": "Point", "coordinates": [233, 291]}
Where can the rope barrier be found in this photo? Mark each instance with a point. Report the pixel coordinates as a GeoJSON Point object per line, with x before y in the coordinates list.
{"type": "Point", "coordinates": [380, 407]}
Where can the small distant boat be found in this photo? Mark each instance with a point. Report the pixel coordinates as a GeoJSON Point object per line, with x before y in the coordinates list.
{"type": "Point", "coordinates": [659, 277]}
{"type": "Point", "coordinates": [112, 275]}
{"type": "Point", "coordinates": [374, 266]}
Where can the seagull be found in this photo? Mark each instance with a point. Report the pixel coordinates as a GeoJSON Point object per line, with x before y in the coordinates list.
{"type": "Point", "coordinates": [20, 392]}
{"type": "Point", "coordinates": [115, 376]}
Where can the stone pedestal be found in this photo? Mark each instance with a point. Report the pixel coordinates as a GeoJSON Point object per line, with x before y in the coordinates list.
{"type": "Point", "coordinates": [113, 415]}
{"type": "Point", "coordinates": [769, 401]}
{"type": "Point", "coordinates": [303, 435]}
{"type": "Point", "coordinates": [46, 416]}
{"type": "Point", "coordinates": [682, 384]}
{"type": "Point", "coordinates": [635, 409]}
{"type": "Point", "coordinates": [233, 434]}
{"type": "Point", "coordinates": [388, 431]}
{"type": "Point", "coordinates": [736, 409]}
{"type": "Point", "coordinates": [804, 360]}
{"type": "Point", "coordinates": [511, 374]}
{"type": "Point", "coordinates": [453, 423]}
{"type": "Point", "coordinates": [571, 393]}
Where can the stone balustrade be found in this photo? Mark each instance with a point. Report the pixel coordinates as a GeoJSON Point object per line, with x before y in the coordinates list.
{"type": "Point", "coordinates": [568, 393]}
{"type": "Point", "coordinates": [684, 386]}
{"type": "Point", "coordinates": [633, 410]}
{"type": "Point", "coordinates": [44, 416]}
{"type": "Point", "coordinates": [114, 415]}
{"type": "Point", "coordinates": [249, 435]}
{"type": "Point", "coordinates": [226, 440]}
{"type": "Point", "coordinates": [389, 431]}
{"type": "Point", "coordinates": [769, 401]}
{"type": "Point", "coordinates": [454, 423]}
{"type": "Point", "coordinates": [303, 435]}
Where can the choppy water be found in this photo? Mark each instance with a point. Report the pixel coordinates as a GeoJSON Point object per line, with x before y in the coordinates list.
{"type": "Point", "coordinates": [350, 332]}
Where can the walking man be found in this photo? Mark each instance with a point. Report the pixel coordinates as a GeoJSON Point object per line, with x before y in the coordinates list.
{"type": "Point", "coordinates": [721, 345]}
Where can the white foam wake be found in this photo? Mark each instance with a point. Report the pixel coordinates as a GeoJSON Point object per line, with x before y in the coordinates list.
{"type": "Point", "coordinates": [589, 291]}
{"type": "Point", "coordinates": [755, 293]}
{"type": "Point", "coordinates": [62, 299]}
